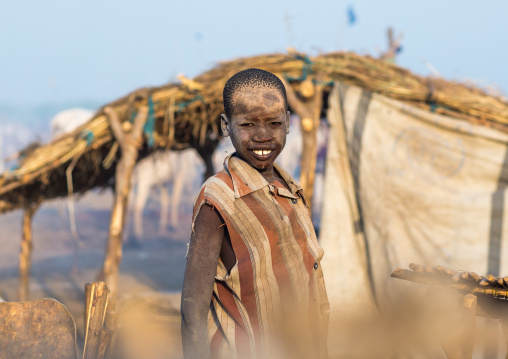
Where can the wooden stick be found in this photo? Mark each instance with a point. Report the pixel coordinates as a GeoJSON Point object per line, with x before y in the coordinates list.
{"type": "Point", "coordinates": [110, 350]}
{"type": "Point", "coordinates": [128, 144]}
{"type": "Point", "coordinates": [88, 302]}
{"type": "Point", "coordinates": [115, 124]}
{"type": "Point", "coordinates": [293, 100]}
{"type": "Point", "coordinates": [25, 255]}
{"type": "Point", "coordinates": [492, 300]}
{"type": "Point", "coordinates": [309, 111]}
{"type": "Point", "coordinates": [108, 160]}
{"type": "Point", "coordinates": [171, 123]}
{"type": "Point", "coordinates": [96, 310]}
{"type": "Point", "coordinates": [426, 277]}
{"type": "Point", "coordinates": [107, 334]}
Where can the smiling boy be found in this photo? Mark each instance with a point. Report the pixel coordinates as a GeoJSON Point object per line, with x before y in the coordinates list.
{"type": "Point", "coordinates": [253, 285]}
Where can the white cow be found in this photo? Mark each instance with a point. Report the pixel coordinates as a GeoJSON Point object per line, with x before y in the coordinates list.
{"type": "Point", "coordinates": [158, 169]}
{"type": "Point", "coordinates": [65, 122]}
{"type": "Point", "coordinates": [181, 168]}
{"type": "Point", "coordinates": [68, 120]}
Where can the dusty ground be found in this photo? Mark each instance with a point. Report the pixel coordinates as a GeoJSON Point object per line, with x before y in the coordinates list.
{"type": "Point", "coordinates": [157, 266]}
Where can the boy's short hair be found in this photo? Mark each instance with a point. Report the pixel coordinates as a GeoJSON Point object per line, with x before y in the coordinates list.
{"type": "Point", "coordinates": [251, 78]}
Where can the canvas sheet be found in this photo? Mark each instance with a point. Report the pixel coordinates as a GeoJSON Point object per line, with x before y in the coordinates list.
{"type": "Point", "coordinates": [407, 185]}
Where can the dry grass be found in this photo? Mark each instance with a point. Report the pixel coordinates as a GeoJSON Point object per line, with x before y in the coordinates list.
{"type": "Point", "coordinates": [186, 113]}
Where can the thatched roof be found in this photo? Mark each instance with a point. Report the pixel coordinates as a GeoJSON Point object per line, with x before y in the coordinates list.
{"type": "Point", "coordinates": [184, 114]}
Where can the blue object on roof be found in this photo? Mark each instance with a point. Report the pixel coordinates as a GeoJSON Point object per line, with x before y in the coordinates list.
{"type": "Point", "coordinates": [149, 126]}
{"type": "Point", "coordinates": [351, 16]}
{"type": "Point", "coordinates": [88, 136]}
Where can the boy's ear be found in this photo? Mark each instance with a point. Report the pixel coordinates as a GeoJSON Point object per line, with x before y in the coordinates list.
{"type": "Point", "coordinates": [287, 122]}
{"type": "Point", "coordinates": [224, 125]}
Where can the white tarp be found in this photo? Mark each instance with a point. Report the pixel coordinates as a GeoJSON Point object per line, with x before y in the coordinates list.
{"type": "Point", "coordinates": [403, 185]}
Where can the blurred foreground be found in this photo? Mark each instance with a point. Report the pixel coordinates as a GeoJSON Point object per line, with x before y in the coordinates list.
{"type": "Point", "coordinates": [156, 266]}
{"type": "Point", "coordinates": [415, 321]}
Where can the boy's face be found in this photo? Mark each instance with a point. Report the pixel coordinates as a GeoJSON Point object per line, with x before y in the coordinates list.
{"type": "Point", "coordinates": [258, 126]}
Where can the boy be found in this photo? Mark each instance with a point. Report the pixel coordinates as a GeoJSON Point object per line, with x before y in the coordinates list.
{"type": "Point", "coordinates": [253, 284]}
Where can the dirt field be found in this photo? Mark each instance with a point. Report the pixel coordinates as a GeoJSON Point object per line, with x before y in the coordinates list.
{"type": "Point", "coordinates": [155, 267]}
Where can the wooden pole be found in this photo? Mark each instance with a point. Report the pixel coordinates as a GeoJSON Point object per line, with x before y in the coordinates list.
{"type": "Point", "coordinates": [88, 297]}
{"type": "Point", "coordinates": [97, 295]}
{"type": "Point", "coordinates": [308, 108]}
{"type": "Point", "coordinates": [107, 337]}
{"type": "Point", "coordinates": [25, 255]}
{"type": "Point", "coordinates": [129, 144]}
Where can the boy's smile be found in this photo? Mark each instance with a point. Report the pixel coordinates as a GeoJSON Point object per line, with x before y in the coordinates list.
{"type": "Point", "coordinates": [258, 127]}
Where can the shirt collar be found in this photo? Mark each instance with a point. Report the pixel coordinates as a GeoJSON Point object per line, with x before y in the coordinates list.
{"type": "Point", "coordinates": [247, 179]}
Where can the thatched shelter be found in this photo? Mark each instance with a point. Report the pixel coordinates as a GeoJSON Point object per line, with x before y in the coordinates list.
{"type": "Point", "coordinates": [186, 114]}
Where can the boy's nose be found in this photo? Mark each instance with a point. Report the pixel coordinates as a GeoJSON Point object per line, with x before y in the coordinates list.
{"type": "Point", "coordinates": [262, 136]}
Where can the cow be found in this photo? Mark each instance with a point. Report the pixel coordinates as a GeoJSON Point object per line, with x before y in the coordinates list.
{"type": "Point", "coordinates": [181, 168]}
{"type": "Point", "coordinates": [68, 120]}
{"type": "Point", "coordinates": [155, 170]}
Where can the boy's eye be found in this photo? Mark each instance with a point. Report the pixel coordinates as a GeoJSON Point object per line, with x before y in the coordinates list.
{"type": "Point", "coordinates": [276, 123]}
{"type": "Point", "coordinates": [246, 124]}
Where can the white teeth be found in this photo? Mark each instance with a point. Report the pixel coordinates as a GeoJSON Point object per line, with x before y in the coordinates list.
{"type": "Point", "coordinates": [262, 152]}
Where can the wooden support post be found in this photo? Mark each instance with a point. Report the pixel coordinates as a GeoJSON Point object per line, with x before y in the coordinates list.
{"type": "Point", "coordinates": [97, 295]}
{"type": "Point", "coordinates": [101, 322]}
{"type": "Point", "coordinates": [107, 337]}
{"type": "Point", "coordinates": [308, 108]}
{"type": "Point", "coordinates": [88, 296]}
{"type": "Point", "coordinates": [25, 255]}
{"type": "Point", "coordinates": [129, 144]}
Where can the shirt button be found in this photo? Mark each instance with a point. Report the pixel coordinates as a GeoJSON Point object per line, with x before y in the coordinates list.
{"type": "Point", "coordinates": [316, 265]}
{"type": "Point", "coordinates": [294, 200]}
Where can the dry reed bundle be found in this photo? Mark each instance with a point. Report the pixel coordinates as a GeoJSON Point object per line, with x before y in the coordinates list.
{"type": "Point", "coordinates": [185, 114]}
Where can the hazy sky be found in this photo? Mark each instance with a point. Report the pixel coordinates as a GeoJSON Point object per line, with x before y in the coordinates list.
{"type": "Point", "coordinates": [99, 50]}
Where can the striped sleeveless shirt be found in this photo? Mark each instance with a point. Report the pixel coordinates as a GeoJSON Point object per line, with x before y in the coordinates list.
{"type": "Point", "coordinates": [277, 275]}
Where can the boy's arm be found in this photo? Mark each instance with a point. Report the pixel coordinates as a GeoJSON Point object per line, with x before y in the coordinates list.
{"type": "Point", "coordinates": [204, 251]}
